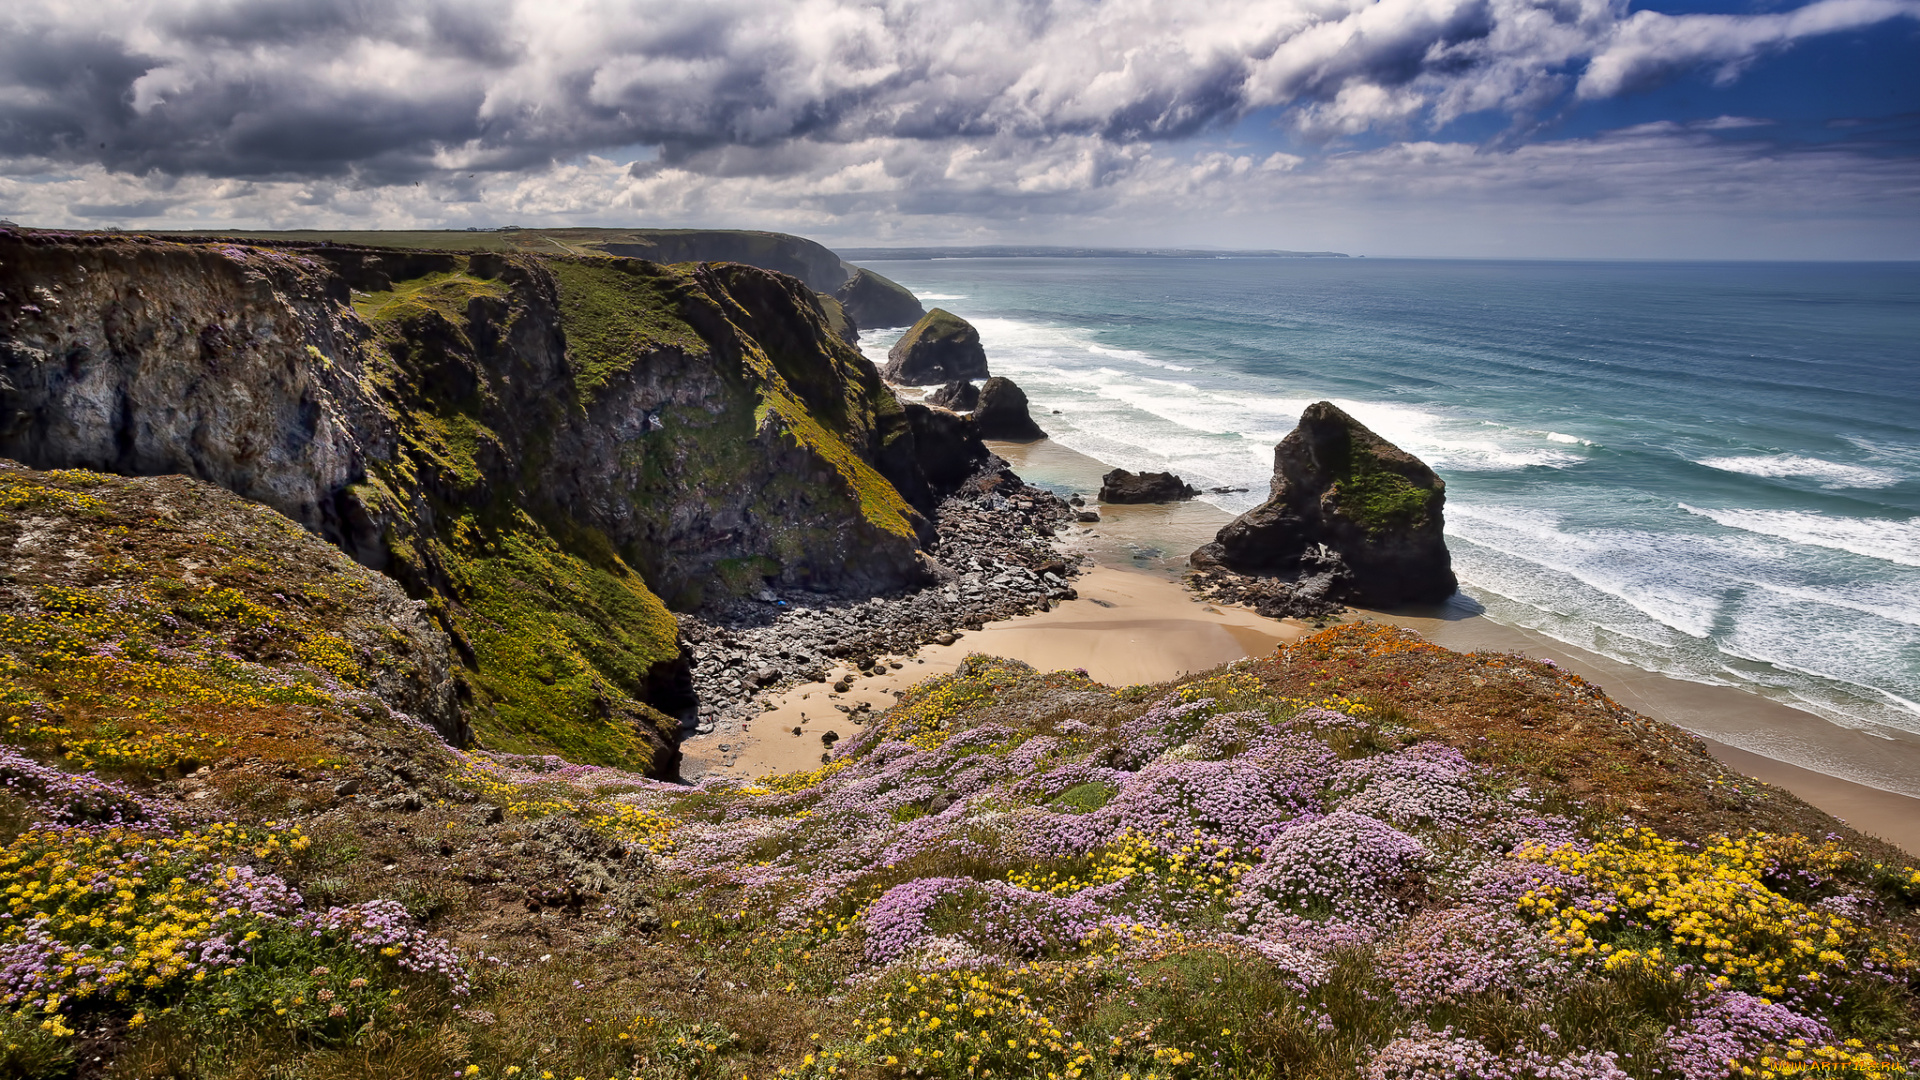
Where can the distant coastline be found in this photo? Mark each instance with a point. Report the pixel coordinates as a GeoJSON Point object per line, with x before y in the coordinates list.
{"type": "Point", "coordinates": [1001, 251]}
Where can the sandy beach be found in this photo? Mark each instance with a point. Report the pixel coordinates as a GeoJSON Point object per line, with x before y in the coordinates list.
{"type": "Point", "coordinates": [1135, 623]}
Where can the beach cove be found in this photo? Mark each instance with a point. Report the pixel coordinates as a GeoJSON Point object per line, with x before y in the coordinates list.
{"type": "Point", "coordinates": [1135, 623]}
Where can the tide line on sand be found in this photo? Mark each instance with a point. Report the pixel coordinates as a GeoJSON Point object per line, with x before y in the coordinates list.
{"type": "Point", "coordinates": [1135, 623]}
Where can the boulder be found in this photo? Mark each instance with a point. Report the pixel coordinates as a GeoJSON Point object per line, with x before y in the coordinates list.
{"type": "Point", "coordinates": [942, 347]}
{"type": "Point", "coordinates": [961, 396]}
{"type": "Point", "coordinates": [1349, 507]}
{"type": "Point", "coordinates": [873, 301]}
{"type": "Point", "coordinates": [1121, 486]}
{"type": "Point", "coordinates": [1002, 413]}
{"type": "Point", "coordinates": [946, 446]}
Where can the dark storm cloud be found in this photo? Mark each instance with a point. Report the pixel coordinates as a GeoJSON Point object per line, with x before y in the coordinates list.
{"type": "Point", "coordinates": [390, 91]}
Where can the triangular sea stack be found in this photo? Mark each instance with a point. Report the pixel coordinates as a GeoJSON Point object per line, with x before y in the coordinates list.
{"type": "Point", "coordinates": [941, 348]}
{"type": "Point", "coordinates": [1349, 506]}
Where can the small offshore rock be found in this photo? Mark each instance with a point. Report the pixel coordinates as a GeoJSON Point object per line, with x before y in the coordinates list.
{"type": "Point", "coordinates": [1002, 412]}
{"type": "Point", "coordinates": [960, 396]}
{"type": "Point", "coordinates": [1121, 486]}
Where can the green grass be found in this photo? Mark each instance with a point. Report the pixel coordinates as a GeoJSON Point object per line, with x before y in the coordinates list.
{"type": "Point", "coordinates": [617, 311]}
{"type": "Point", "coordinates": [445, 294]}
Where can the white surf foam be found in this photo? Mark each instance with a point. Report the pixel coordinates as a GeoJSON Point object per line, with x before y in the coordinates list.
{"type": "Point", "coordinates": [1832, 474]}
{"type": "Point", "coordinates": [1894, 541]}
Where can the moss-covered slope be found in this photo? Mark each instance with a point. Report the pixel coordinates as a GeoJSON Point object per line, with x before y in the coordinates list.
{"type": "Point", "coordinates": [550, 452]}
{"type": "Point", "coordinates": [150, 626]}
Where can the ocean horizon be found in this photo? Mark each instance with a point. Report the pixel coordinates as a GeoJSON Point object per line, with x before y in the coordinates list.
{"type": "Point", "coordinates": [1709, 470]}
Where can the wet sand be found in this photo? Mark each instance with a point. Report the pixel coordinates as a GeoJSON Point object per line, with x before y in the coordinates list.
{"type": "Point", "coordinates": [1135, 623]}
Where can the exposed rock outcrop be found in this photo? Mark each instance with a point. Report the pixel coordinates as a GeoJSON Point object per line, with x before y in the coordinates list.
{"type": "Point", "coordinates": [1121, 486]}
{"type": "Point", "coordinates": [1349, 507]}
{"type": "Point", "coordinates": [947, 447]}
{"type": "Point", "coordinates": [1001, 412]}
{"type": "Point", "coordinates": [942, 347]}
{"type": "Point", "coordinates": [960, 396]}
{"type": "Point", "coordinates": [873, 300]}
{"type": "Point", "coordinates": [541, 448]}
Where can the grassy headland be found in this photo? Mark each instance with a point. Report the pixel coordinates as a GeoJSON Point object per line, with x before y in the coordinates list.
{"type": "Point", "coordinates": [1360, 856]}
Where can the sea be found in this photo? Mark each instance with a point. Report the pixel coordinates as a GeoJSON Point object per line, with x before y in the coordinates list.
{"type": "Point", "coordinates": [1708, 470]}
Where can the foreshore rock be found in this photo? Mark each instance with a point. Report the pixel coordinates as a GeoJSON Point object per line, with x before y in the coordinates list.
{"type": "Point", "coordinates": [874, 301]}
{"type": "Point", "coordinates": [1350, 515]}
{"type": "Point", "coordinates": [1001, 412]}
{"type": "Point", "coordinates": [1121, 486]}
{"type": "Point", "coordinates": [960, 396]}
{"type": "Point", "coordinates": [942, 347]}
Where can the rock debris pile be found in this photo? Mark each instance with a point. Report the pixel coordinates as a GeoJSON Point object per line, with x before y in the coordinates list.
{"type": "Point", "coordinates": [994, 559]}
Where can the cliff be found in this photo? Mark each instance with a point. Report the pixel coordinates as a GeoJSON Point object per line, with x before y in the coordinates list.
{"type": "Point", "coordinates": [1348, 508]}
{"type": "Point", "coordinates": [550, 451]}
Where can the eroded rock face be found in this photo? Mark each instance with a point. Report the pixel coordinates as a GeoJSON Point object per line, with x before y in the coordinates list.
{"type": "Point", "coordinates": [959, 396]}
{"type": "Point", "coordinates": [1346, 507]}
{"type": "Point", "coordinates": [1002, 412]}
{"type": "Point", "coordinates": [872, 301]}
{"type": "Point", "coordinates": [1121, 486]}
{"type": "Point", "coordinates": [942, 347]}
{"type": "Point", "coordinates": [546, 447]}
{"type": "Point", "coordinates": [947, 447]}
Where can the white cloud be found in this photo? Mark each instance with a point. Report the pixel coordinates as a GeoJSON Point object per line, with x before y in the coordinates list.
{"type": "Point", "coordinates": [1656, 190]}
{"type": "Point", "coordinates": [902, 119]}
{"type": "Point", "coordinates": [1649, 45]}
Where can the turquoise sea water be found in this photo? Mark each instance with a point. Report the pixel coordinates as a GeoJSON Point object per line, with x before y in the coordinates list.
{"type": "Point", "coordinates": [1708, 470]}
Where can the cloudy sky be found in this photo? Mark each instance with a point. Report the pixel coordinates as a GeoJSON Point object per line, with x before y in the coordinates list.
{"type": "Point", "coordinates": [1677, 128]}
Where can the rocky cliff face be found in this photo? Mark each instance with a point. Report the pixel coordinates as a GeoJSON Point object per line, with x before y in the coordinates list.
{"type": "Point", "coordinates": [1348, 508]}
{"type": "Point", "coordinates": [542, 449]}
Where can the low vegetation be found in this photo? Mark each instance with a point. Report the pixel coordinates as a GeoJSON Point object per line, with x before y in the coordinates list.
{"type": "Point", "coordinates": [1297, 866]}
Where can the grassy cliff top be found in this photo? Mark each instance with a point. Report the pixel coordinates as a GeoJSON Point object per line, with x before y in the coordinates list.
{"type": "Point", "coordinates": [152, 626]}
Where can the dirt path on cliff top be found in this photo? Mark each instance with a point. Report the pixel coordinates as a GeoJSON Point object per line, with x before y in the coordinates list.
{"type": "Point", "coordinates": [1127, 627]}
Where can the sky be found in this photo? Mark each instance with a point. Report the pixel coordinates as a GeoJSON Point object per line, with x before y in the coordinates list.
{"type": "Point", "coordinates": [1528, 128]}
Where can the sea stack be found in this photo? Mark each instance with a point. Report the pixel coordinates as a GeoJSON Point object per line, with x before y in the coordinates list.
{"type": "Point", "coordinates": [941, 348]}
{"type": "Point", "coordinates": [1001, 412]}
{"type": "Point", "coordinates": [1121, 486]}
{"type": "Point", "coordinates": [1347, 503]}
